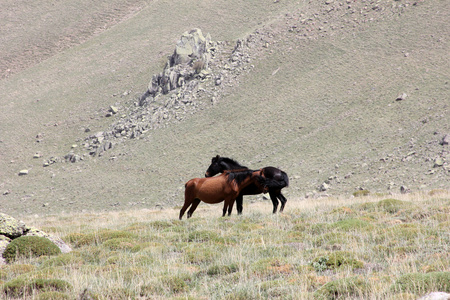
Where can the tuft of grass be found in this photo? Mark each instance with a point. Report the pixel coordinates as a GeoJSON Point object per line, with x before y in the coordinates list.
{"type": "Point", "coordinates": [20, 287]}
{"type": "Point", "coordinates": [80, 239]}
{"type": "Point", "coordinates": [344, 288]}
{"type": "Point", "coordinates": [352, 225]}
{"type": "Point", "coordinates": [53, 295]}
{"type": "Point", "coordinates": [127, 244]}
{"type": "Point", "coordinates": [66, 259]}
{"type": "Point", "coordinates": [423, 282]}
{"type": "Point", "coordinates": [361, 193]}
{"type": "Point", "coordinates": [222, 269]}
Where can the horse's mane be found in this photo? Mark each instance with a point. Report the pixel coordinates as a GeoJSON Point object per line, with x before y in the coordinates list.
{"type": "Point", "coordinates": [238, 175]}
{"type": "Point", "coordinates": [231, 161]}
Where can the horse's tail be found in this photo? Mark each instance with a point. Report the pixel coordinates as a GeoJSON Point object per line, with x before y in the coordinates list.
{"type": "Point", "coordinates": [285, 178]}
{"type": "Point", "coordinates": [278, 184]}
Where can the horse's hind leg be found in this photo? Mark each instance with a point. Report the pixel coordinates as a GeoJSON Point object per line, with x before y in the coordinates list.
{"type": "Point", "coordinates": [185, 206]}
{"type": "Point", "coordinates": [187, 202]}
{"type": "Point", "coordinates": [239, 201]}
{"type": "Point", "coordinates": [273, 197]}
{"type": "Point", "coordinates": [193, 207]}
{"type": "Point", "coordinates": [283, 201]}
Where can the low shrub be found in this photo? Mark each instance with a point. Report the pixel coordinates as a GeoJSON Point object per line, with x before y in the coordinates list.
{"type": "Point", "coordinates": [29, 246]}
{"type": "Point", "coordinates": [336, 260]}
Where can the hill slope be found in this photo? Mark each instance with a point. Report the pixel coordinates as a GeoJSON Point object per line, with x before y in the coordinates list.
{"type": "Point", "coordinates": [318, 99]}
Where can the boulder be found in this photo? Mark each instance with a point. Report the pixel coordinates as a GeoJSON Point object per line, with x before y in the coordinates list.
{"type": "Point", "coordinates": [11, 227]}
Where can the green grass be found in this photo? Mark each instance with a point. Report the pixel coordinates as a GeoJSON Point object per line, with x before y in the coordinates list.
{"type": "Point", "coordinates": [151, 254]}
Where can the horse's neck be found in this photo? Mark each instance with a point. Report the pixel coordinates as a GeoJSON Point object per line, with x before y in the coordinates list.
{"type": "Point", "coordinates": [232, 166]}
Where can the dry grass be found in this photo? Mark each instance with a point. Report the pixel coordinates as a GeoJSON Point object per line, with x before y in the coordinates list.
{"type": "Point", "coordinates": [319, 248]}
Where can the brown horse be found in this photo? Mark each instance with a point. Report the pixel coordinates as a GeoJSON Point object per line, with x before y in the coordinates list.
{"type": "Point", "coordinates": [226, 186]}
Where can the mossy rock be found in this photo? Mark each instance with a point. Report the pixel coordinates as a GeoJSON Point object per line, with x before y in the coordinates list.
{"type": "Point", "coordinates": [352, 287]}
{"type": "Point", "coordinates": [29, 246]}
{"type": "Point", "coordinates": [336, 260]}
{"type": "Point", "coordinates": [420, 283]}
{"type": "Point", "coordinates": [20, 287]}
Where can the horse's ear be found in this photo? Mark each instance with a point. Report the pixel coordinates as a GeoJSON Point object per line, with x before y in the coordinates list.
{"type": "Point", "coordinates": [215, 159]}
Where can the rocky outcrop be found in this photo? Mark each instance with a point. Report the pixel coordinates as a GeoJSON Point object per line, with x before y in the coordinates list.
{"type": "Point", "coordinates": [189, 61]}
{"type": "Point", "coordinates": [11, 229]}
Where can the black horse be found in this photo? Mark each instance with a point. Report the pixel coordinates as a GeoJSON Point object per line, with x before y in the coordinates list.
{"type": "Point", "coordinates": [276, 180]}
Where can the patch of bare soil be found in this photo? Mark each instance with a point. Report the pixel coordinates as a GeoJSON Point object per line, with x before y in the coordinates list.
{"type": "Point", "coordinates": [32, 32]}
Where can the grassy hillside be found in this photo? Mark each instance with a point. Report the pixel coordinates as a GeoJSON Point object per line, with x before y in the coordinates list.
{"type": "Point", "coordinates": [330, 248]}
{"type": "Point", "coordinates": [317, 100]}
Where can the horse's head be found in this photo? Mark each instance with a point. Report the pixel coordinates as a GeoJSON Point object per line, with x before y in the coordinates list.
{"type": "Point", "coordinates": [215, 167]}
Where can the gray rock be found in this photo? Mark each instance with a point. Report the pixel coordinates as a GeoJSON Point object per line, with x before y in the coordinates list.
{"type": "Point", "coordinates": [401, 97]}
{"type": "Point", "coordinates": [23, 172]}
{"type": "Point", "coordinates": [113, 109]}
{"type": "Point", "coordinates": [4, 241]}
{"type": "Point", "coordinates": [55, 240]}
{"type": "Point", "coordinates": [436, 296]}
{"type": "Point", "coordinates": [445, 140]}
{"type": "Point", "coordinates": [324, 187]}
{"type": "Point", "coordinates": [438, 162]}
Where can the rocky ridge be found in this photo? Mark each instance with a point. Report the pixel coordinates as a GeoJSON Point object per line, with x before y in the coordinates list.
{"type": "Point", "coordinates": [195, 76]}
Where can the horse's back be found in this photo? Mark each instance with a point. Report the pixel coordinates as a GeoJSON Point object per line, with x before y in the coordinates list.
{"type": "Point", "coordinates": [209, 190]}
